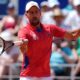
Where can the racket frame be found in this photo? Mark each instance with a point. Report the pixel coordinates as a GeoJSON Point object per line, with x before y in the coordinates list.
{"type": "Point", "coordinates": [3, 45]}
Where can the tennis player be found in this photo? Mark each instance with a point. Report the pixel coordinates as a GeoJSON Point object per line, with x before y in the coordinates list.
{"type": "Point", "coordinates": [40, 37]}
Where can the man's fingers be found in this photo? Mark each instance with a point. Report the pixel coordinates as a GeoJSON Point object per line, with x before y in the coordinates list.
{"type": "Point", "coordinates": [20, 42]}
{"type": "Point", "coordinates": [24, 40]}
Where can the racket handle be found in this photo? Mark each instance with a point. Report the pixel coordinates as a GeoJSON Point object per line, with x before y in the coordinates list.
{"type": "Point", "coordinates": [21, 42]}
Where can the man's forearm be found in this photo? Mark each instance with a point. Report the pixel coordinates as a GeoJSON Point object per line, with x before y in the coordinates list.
{"type": "Point", "coordinates": [72, 35]}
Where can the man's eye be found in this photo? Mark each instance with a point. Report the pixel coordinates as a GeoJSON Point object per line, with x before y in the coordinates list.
{"type": "Point", "coordinates": [31, 12]}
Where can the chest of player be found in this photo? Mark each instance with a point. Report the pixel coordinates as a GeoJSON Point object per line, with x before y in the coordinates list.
{"type": "Point", "coordinates": [40, 39]}
{"type": "Point", "coordinates": [42, 36]}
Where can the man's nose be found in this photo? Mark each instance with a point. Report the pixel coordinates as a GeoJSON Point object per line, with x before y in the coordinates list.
{"type": "Point", "coordinates": [34, 14]}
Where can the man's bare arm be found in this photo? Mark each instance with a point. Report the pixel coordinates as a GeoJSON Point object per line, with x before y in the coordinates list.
{"type": "Point", "coordinates": [72, 35]}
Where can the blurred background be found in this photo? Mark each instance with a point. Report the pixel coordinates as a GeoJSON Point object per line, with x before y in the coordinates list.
{"type": "Point", "coordinates": [20, 5]}
{"type": "Point", "coordinates": [65, 57]}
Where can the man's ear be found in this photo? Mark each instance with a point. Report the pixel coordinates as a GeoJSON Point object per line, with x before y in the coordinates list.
{"type": "Point", "coordinates": [26, 13]}
{"type": "Point", "coordinates": [40, 13]}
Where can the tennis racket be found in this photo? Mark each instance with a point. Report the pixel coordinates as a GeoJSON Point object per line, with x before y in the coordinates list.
{"type": "Point", "coordinates": [4, 45]}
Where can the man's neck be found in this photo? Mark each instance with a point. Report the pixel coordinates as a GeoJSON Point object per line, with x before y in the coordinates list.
{"type": "Point", "coordinates": [37, 26]}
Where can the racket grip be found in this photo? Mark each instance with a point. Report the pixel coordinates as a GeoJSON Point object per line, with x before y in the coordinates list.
{"type": "Point", "coordinates": [20, 42]}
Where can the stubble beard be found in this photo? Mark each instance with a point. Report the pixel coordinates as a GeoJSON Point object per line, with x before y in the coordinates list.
{"type": "Point", "coordinates": [35, 22]}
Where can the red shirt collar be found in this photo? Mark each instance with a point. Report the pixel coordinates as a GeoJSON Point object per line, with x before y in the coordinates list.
{"type": "Point", "coordinates": [35, 28]}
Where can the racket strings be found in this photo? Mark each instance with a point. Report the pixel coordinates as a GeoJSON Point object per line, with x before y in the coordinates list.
{"type": "Point", "coordinates": [8, 46]}
{"type": "Point", "coordinates": [1, 46]}
{"type": "Point", "coordinates": [4, 45]}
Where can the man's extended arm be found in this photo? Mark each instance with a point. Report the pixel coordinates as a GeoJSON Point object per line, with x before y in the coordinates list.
{"type": "Point", "coordinates": [72, 35]}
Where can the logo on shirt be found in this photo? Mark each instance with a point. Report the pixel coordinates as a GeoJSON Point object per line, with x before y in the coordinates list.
{"type": "Point", "coordinates": [49, 34]}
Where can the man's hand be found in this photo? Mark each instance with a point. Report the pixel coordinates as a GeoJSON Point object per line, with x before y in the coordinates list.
{"type": "Point", "coordinates": [72, 35]}
{"type": "Point", "coordinates": [76, 34]}
{"type": "Point", "coordinates": [22, 43]}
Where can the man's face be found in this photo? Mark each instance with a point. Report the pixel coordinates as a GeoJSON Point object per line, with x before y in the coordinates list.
{"type": "Point", "coordinates": [34, 16]}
